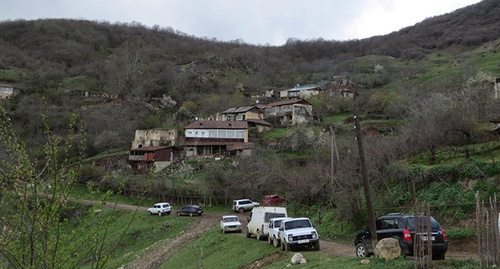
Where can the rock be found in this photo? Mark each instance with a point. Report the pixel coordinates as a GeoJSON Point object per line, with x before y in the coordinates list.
{"type": "Point", "coordinates": [288, 265]}
{"type": "Point", "coordinates": [388, 249]}
{"type": "Point", "coordinates": [303, 261]}
{"type": "Point", "coordinates": [297, 258]}
{"type": "Point", "coordinates": [365, 261]}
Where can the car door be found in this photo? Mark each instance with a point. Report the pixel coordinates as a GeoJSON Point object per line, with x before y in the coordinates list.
{"type": "Point", "coordinates": [387, 228]}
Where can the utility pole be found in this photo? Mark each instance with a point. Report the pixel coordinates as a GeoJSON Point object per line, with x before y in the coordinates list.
{"type": "Point", "coordinates": [364, 172]}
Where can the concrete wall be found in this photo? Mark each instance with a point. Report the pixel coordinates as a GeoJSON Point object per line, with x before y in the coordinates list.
{"type": "Point", "coordinates": [154, 137]}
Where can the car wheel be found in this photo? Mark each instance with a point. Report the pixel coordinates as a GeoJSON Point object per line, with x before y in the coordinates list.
{"type": "Point", "coordinates": [258, 236]}
{"type": "Point", "coordinates": [361, 251]}
{"type": "Point", "coordinates": [276, 243]}
{"type": "Point", "coordinates": [316, 246]}
{"type": "Point", "coordinates": [190, 214]}
{"type": "Point", "coordinates": [150, 213]}
{"type": "Point", "coordinates": [241, 210]}
{"type": "Point", "coordinates": [248, 233]}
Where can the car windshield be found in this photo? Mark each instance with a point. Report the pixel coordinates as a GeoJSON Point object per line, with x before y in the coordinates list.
{"type": "Point", "coordinates": [230, 219]}
{"type": "Point", "coordinates": [270, 215]}
{"type": "Point", "coordinates": [434, 224]}
{"type": "Point", "coordinates": [297, 224]}
{"type": "Point", "coordinates": [277, 223]}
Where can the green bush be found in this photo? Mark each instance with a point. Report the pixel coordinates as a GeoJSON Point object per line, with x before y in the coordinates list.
{"type": "Point", "coordinates": [447, 193]}
{"type": "Point", "coordinates": [90, 173]}
{"type": "Point", "coordinates": [488, 188]}
{"type": "Point", "coordinates": [461, 233]}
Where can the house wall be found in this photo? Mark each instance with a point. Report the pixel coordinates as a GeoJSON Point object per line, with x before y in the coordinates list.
{"type": "Point", "coordinates": [6, 92]}
{"type": "Point", "coordinates": [253, 115]}
{"type": "Point", "coordinates": [154, 137]}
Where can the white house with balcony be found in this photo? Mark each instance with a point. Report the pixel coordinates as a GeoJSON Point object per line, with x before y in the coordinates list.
{"type": "Point", "coordinates": [213, 138]}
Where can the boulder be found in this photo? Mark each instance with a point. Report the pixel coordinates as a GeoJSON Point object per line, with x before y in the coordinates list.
{"type": "Point", "coordinates": [297, 258]}
{"type": "Point", "coordinates": [365, 261]}
{"type": "Point", "coordinates": [388, 249]}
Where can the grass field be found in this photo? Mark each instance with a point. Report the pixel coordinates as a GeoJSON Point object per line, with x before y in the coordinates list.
{"type": "Point", "coordinates": [105, 227]}
{"type": "Point", "coordinates": [217, 250]}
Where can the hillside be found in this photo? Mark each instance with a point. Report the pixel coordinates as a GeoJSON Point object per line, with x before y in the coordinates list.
{"type": "Point", "coordinates": [84, 87]}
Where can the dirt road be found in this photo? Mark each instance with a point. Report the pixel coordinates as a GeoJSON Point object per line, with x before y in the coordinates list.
{"type": "Point", "coordinates": [161, 251]}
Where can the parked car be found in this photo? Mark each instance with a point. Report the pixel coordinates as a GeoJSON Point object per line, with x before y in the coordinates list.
{"type": "Point", "coordinates": [298, 232]}
{"type": "Point", "coordinates": [243, 205]}
{"type": "Point", "coordinates": [259, 220]}
{"type": "Point", "coordinates": [272, 199]}
{"type": "Point", "coordinates": [230, 223]}
{"type": "Point", "coordinates": [160, 209]}
{"type": "Point", "coordinates": [272, 231]}
{"type": "Point", "coordinates": [190, 210]}
{"type": "Point", "coordinates": [402, 227]}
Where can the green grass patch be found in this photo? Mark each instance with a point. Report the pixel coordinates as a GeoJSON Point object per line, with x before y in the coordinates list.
{"type": "Point", "coordinates": [337, 118]}
{"type": "Point", "coordinates": [120, 245]}
{"type": "Point", "coordinates": [220, 251]}
{"type": "Point", "coordinates": [79, 83]}
{"type": "Point", "coordinates": [82, 191]}
{"type": "Point", "coordinates": [321, 260]}
{"type": "Point", "coordinates": [275, 133]}
{"type": "Point", "coordinates": [9, 75]}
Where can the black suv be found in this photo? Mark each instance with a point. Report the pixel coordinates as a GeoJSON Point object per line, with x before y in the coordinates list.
{"type": "Point", "coordinates": [401, 227]}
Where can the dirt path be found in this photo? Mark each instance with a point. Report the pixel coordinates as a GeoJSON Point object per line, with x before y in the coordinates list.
{"type": "Point", "coordinates": [158, 253]}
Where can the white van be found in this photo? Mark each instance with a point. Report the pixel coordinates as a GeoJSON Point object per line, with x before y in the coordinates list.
{"type": "Point", "coordinates": [259, 219]}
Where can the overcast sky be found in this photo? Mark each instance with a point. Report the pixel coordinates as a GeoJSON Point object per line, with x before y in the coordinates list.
{"type": "Point", "coordinates": [253, 21]}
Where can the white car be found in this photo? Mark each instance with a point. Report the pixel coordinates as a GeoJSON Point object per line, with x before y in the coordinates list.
{"type": "Point", "coordinates": [230, 224]}
{"type": "Point", "coordinates": [272, 231]}
{"type": "Point", "coordinates": [298, 232]}
{"type": "Point", "coordinates": [243, 205]}
{"type": "Point", "coordinates": [160, 209]}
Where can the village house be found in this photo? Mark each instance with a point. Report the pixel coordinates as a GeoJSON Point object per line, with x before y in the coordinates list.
{"type": "Point", "coordinates": [289, 112]}
{"type": "Point", "coordinates": [159, 157]}
{"type": "Point", "coordinates": [345, 92]}
{"type": "Point", "coordinates": [154, 137]}
{"type": "Point", "coordinates": [303, 92]}
{"type": "Point", "coordinates": [6, 91]}
{"type": "Point", "coordinates": [242, 113]}
{"type": "Point", "coordinates": [216, 138]}
{"type": "Point", "coordinates": [260, 125]}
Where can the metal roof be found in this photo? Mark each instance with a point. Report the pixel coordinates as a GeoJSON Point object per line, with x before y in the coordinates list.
{"type": "Point", "coordinates": [238, 109]}
{"type": "Point", "coordinates": [303, 88]}
{"type": "Point", "coordinates": [288, 102]}
{"type": "Point", "coordinates": [151, 148]}
{"type": "Point", "coordinates": [218, 125]}
{"type": "Point", "coordinates": [259, 121]}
